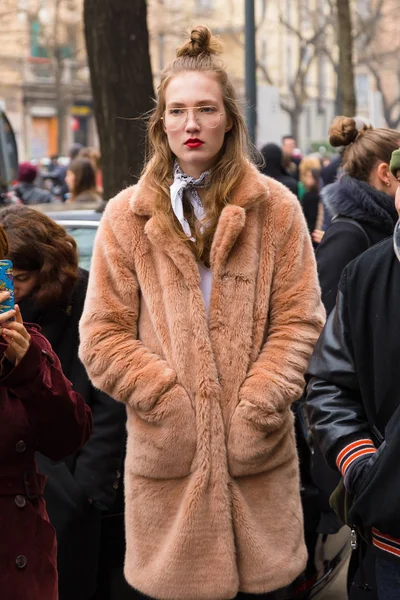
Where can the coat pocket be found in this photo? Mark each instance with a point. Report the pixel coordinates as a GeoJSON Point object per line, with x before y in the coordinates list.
{"type": "Point", "coordinates": [254, 448]}
{"type": "Point", "coordinates": [162, 439]}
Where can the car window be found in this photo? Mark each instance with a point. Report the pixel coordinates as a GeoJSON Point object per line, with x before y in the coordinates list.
{"type": "Point", "coordinates": [84, 237]}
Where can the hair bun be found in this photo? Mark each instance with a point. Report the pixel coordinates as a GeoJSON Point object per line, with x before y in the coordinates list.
{"type": "Point", "coordinates": [202, 41]}
{"type": "Point", "coordinates": [344, 130]}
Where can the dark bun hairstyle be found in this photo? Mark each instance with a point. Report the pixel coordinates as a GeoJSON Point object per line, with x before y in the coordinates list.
{"type": "Point", "coordinates": [364, 146]}
{"type": "Point", "coordinates": [344, 131]}
{"type": "Point", "coordinates": [201, 42]}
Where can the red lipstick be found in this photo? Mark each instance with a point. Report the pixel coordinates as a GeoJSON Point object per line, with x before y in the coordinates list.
{"type": "Point", "coordinates": [194, 143]}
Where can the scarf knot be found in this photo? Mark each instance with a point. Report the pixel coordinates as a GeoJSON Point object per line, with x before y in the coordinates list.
{"type": "Point", "coordinates": [185, 183]}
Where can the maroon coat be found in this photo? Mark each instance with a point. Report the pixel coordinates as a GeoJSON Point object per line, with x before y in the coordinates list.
{"type": "Point", "coordinates": [39, 411]}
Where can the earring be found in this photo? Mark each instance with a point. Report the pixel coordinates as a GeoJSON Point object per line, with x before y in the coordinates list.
{"type": "Point", "coordinates": [388, 183]}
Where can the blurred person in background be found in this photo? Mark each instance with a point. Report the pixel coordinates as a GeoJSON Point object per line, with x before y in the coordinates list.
{"type": "Point", "coordinates": [291, 156]}
{"type": "Point", "coordinates": [309, 192]}
{"type": "Point", "coordinates": [329, 174]}
{"type": "Point", "coordinates": [81, 180]}
{"type": "Point", "coordinates": [50, 290]}
{"type": "Point", "coordinates": [95, 158]}
{"type": "Point", "coordinates": [55, 176]}
{"type": "Point", "coordinates": [307, 165]}
{"type": "Point", "coordinates": [273, 167]}
{"type": "Point", "coordinates": [26, 189]}
{"type": "Point", "coordinates": [74, 150]}
{"type": "Point", "coordinates": [39, 412]}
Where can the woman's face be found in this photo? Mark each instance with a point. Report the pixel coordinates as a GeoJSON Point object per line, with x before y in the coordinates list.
{"type": "Point", "coordinates": [195, 145]}
{"type": "Point", "coordinates": [70, 180]}
{"type": "Point", "coordinates": [309, 180]}
{"type": "Point", "coordinates": [25, 283]}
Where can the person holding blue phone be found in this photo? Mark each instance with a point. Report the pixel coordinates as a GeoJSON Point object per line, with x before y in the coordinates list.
{"type": "Point", "coordinates": [50, 289]}
{"type": "Point", "coordinates": [39, 411]}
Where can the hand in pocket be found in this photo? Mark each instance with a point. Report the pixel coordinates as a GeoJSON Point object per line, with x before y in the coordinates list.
{"type": "Point", "coordinates": [162, 441]}
{"type": "Point", "coordinates": [254, 448]}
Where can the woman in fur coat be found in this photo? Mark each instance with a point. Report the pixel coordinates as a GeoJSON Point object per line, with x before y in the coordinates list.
{"type": "Point", "coordinates": [202, 311]}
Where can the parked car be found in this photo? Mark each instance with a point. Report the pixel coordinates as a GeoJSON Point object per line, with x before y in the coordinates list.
{"type": "Point", "coordinates": [328, 552]}
{"type": "Point", "coordinates": [82, 225]}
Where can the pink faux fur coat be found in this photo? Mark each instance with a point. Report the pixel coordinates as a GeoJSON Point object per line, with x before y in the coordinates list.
{"type": "Point", "coordinates": [212, 485]}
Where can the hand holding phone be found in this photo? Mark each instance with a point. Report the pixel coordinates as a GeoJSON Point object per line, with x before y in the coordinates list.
{"type": "Point", "coordinates": [14, 333]}
{"type": "Point", "coordinates": [6, 285]}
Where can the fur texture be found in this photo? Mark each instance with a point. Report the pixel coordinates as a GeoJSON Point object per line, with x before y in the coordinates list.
{"type": "Point", "coordinates": [358, 200]}
{"type": "Point", "coordinates": [212, 486]}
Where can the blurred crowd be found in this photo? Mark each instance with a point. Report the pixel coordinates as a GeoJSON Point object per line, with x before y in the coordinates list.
{"type": "Point", "coordinates": [72, 182]}
{"type": "Point", "coordinates": [305, 176]}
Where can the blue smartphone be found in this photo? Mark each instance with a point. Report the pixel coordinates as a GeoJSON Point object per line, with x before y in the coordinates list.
{"type": "Point", "coordinates": [6, 285]}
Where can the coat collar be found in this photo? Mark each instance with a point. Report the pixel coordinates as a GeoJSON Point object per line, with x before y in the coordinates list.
{"type": "Point", "coordinates": [252, 189]}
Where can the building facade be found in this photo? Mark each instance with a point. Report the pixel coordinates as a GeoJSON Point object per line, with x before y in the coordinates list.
{"type": "Point", "coordinates": [45, 87]}
{"type": "Point", "coordinates": [296, 54]}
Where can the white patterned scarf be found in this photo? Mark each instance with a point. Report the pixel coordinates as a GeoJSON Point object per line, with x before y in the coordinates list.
{"type": "Point", "coordinates": [185, 184]}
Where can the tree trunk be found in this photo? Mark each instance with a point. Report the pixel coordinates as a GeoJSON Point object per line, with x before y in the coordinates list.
{"type": "Point", "coordinates": [339, 94]}
{"type": "Point", "coordinates": [117, 44]}
{"type": "Point", "coordinates": [295, 123]}
{"type": "Point", "coordinates": [345, 42]}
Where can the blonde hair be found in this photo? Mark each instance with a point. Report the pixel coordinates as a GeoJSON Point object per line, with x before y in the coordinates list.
{"type": "Point", "coordinates": [197, 54]}
{"type": "Point", "coordinates": [308, 163]}
{"type": "Point", "coordinates": [365, 146]}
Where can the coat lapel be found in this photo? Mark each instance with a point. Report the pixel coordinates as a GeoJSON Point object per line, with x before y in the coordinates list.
{"type": "Point", "coordinates": [232, 221]}
{"type": "Point", "coordinates": [230, 225]}
{"type": "Point", "coordinates": [178, 252]}
{"type": "Point", "coordinates": [234, 263]}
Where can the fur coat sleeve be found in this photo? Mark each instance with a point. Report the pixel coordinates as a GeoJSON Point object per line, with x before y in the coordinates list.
{"type": "Point", "coordinates": [130, 370]}
{"type": "Point", "coordinates": [276, 378]}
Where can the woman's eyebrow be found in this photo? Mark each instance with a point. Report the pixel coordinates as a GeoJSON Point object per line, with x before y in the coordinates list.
{"type": "Point", "coordinates": [207, 102]}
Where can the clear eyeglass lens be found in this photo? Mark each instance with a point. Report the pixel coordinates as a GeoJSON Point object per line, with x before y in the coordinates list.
{"type": "Point", "coordinates": [207, 116]}
{"type": "Point", "coordinates": [396, 239]}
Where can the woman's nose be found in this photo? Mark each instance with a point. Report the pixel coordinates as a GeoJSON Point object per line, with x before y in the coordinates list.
{"type": "Point", "coordinates": [192, 124]}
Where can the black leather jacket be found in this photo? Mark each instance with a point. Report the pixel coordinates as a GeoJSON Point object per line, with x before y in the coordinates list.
{"type": "Point", "coordinates": [335, 409]}
{"type": "Point", "coordinates": [353, 392]}
{"type": "Point", "coordinates": [353, 388]}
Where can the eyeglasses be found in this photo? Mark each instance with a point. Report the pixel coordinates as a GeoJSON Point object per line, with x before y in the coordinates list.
{"type": "Point", "coordinates": [206, 116]}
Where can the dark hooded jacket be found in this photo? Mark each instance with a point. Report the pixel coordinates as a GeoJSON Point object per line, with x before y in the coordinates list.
{"type": "Point", "coordinates": [78, 487]}
{"type": "Point", "coordinates": [343, 241]}
{"type": "Point", "coordinates": [29, 193]}
{"type": "Point", "coordinates": [274, 167]}
{"type": "Point", "coordinates": [374, 217]}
